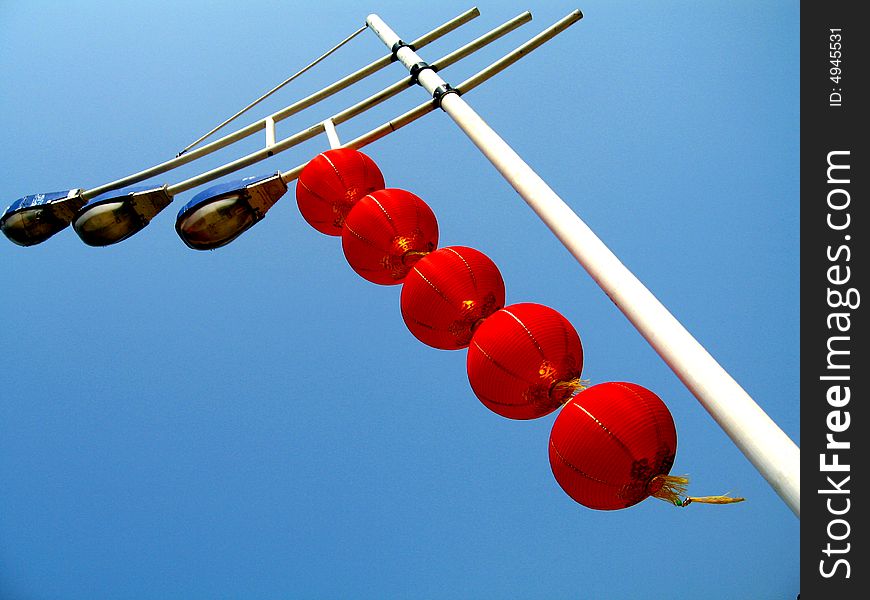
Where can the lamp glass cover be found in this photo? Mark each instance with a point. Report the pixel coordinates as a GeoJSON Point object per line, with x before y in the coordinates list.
{"type": "Point", "coordinates": [32, 226]}
{"type": "Point", "coordinates": [108, 223]}
{"type": "Point", "coordinates": [35, 218]}
{"type": "Point", "coordinates": [216, 223]}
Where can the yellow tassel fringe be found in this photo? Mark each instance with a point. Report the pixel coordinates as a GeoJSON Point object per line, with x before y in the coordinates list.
{"type": "Point", "coordinates": [412, 256]}
{"type": "Point", "coordinates": [563, 390]}
{"type": "Point", "coordinates": [670, 489]}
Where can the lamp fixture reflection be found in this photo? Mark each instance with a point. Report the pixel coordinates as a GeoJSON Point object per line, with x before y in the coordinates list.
{"type": "Point", "coordinates": [114, 216]}
{"type": "Point", "coordinates": [33, 219]}
{"type": "Point", "coordinates": [220, 214]}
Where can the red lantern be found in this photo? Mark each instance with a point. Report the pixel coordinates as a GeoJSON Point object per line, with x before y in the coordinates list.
{"type": "Point", "coordinates": [331, 183]}
{"type": "Point", "coordinates": [613, 445]}
{"type": "Point", "coordinates": [447, 294]}
{"type": "Point", "coordinates": [387, 232]}
{"type": "Point", "coordinates": [524, 361]}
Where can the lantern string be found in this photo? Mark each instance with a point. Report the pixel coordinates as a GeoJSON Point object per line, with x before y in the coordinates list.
{"type": "Point", "coordinates": [669, 488]}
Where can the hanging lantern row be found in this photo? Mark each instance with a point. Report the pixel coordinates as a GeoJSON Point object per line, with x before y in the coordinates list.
{"type": "Point", "coordinates": [611, 446]}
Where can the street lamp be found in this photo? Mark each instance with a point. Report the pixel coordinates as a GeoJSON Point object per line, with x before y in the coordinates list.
{"type": "Point", "coordinates": [220, 214]}
{"type": "Point", "coordinates": [33, 219]}
{"type": "Point", "coordinates": [111, 213]}
{"type": "Point", "coordinates": [114, 216]}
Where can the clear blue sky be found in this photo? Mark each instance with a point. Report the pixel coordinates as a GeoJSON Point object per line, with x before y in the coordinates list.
{"type": "Point", "coordinates": [257, 421]}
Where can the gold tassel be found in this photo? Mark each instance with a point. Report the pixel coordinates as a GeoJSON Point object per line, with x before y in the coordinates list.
{"type": "Point", "coordinates": [412, 256]}
{"type": "Point", "coordinates": [669, 488]}
{"type": "Point", "coordinates": [563, 390]}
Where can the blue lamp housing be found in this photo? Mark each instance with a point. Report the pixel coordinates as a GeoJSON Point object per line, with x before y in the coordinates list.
{"type": "Point", "coordinates": [33, 219]}
{"type": "Point", "coordinates": [114, 216]}
{"type": "Point", "coordinates": [220, 214]}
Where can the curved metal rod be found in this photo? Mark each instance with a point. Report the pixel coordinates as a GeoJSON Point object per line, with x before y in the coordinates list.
{"type": "Point", "coordinates": [301, 71]}
{"type": "Point", "coordinates": [260, 125]}
{"type": "Point", "coordinates": [350, 112]}
{"type": "Point", "coordinates": [469, 84]}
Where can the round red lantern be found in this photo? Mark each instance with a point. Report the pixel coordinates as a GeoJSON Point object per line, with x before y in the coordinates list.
{"type": "Point", "coordinates": [612, 446]}
{"type": "Point", "coordinates": [524, 361]}
{"type": "Point", "coordinates": [448, 293]}
{"type": "Point", "coordinates": [331, 183]}
{"type": "Point", "coordinates": [386, 232]}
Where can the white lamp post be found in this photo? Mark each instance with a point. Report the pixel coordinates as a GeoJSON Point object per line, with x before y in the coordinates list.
{"type": "Point", "coordinates": [760, 439]}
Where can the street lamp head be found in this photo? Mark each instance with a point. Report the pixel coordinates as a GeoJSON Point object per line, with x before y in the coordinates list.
{"type": "Point", "coordinates": [114, 216]}
{"type": "Point", "coordinates": [33, 219]}
{"type": "Point", "coordinates": [220, 214]}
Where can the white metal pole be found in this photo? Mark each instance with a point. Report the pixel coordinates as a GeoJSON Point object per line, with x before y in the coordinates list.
{"type": "Point", "coordinates": [270, 132]}
{"type": "Point", "coordinates": [760, 439]}
{"type": "Point", "coordinates": [331, 134]}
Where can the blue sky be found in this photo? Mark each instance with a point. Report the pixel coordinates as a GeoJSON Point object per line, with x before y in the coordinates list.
{"type": "Point", "coordinates": [258, 422]}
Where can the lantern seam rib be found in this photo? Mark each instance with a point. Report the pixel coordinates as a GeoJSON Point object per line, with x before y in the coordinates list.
{"type": "Point", "coordinates": [528, 333]}
{"type": "Point", "coordinates": [647, 409]}
{"type": "Point", "coordinates": [573, 467]}
{"type": "Point", "coordinates": [428, 326]}
{"type": "Point", "coordinates": [666, 462]}
{"type": "Point", "coordinates": [386, 215]}
{"type": "Point", "coordinates": [336, 169]}
{"type": "Point", "coordinates": [612, 435]}
{"type": "Point", "coordinates": [365, 167]}
{"type": "Point", "coordinates": [434, 287]}
{"type": "Point", "coordinates": [497, 364]}
{"type": "Point", "coordinates": [361, 237]}
{"type": "Point", "coordinates": [313, 193]}
{"type": "Point", "coordinates": [489, 400]}
{"type": "Point", "coordinates": [467, 266]}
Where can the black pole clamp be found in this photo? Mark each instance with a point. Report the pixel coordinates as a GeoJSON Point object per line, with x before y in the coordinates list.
{"type": "Point", "coordinates": [395, 50]}
{"type": "Point", "coordinates": [441, 91]}
{"type": "Point", "coordinates": [417, 68]}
